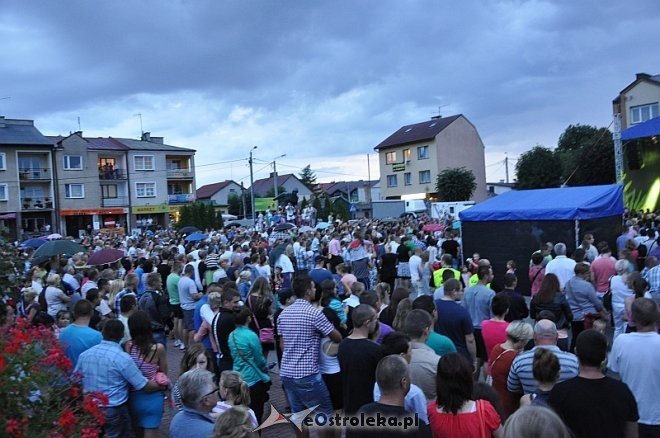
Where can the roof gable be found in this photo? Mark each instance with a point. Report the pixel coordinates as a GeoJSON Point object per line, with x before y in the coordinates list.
{"type": "Point", "coordinates": [209, 190]}
{"type": "Point", "coordinates": [641, 77]}
{"type": "Point", "coordinates": [22, 133]}
{"type": "Point", "coordinates": [416, 132]}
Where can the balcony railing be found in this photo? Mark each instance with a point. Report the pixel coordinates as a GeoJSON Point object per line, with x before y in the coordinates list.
{"type": "Point", "coordinates": [37, 203]}
{"type": "Point", "coordinates": [179, 173]}
{"type": "Point", "coordinates": [119, 201]}
{"type": "Point", "coordinates": [115, 174]}
{"type": "Point", "coordinates": [38, 173]}
{"type": "Point", "coordinates": [181, 199]}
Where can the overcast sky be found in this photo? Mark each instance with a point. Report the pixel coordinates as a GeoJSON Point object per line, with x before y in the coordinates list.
{"type": "Point", "coordinates": [320, 81]}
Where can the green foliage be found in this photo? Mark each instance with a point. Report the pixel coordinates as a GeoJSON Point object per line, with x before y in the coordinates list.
{"type": "Point", "coordinates": [303, 204]}
{"type": "Point", "coordinates": [307, 176]}
{"type": "Point", "coordinates": [340, 210]}
{"type": "Point", "coordinates": [201, 215]}
{"type": "Point", "coordinates": [234, 204]}
{"type": "Point", "coordinates": [271, 192]}
{"type": "Point", "coordinates": [455, 184]}
{"type": "Point", "coordinates": [12, 266]}
{"type": "Point", "coordinates": [538, 168]}
{"type": "Point", "coordinates": [587, 155]}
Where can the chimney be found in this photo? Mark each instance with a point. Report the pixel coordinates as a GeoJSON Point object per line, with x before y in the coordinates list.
{"type": "Point", "coordinates": [436, 117]}
{"type": "Point", "coordinates": [146, 136]}
{"type": "Point", "coordinates": [639, 76]}
{"type": "Point", "coordinates": [158, 140]}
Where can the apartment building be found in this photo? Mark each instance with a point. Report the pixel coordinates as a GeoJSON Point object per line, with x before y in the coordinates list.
{"type": "Point", "coordinates": [27, 195]}
{"type": "Point", "coordinates": [639, 101]}
{"type": "Point", "coordinates": [411, 158]}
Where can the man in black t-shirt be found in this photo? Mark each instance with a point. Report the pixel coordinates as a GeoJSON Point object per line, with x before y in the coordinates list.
{"type": "Point", "coordinates": [591, 404]}
{"type": "Point", "coordinates": [393, 378]}
{"type": "Point", "coordinates": [451, 246]}
{"type": "Point", "coordinates": [358, 358]}
{"type": "Point", "coordinates": [222, 325]}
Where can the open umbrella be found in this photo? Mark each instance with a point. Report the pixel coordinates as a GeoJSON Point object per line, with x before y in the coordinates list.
{"type": "Point", "coordinates": [105, 256]}
{"type": "Point", "coordinates": [433, 227]}
{"type": "Point", "coordinates": [58, 247]}
{"type": "Point", "coordinates": [53, 236]}
{"type": "Point", "coordinates": [196, 237]}
{"type": "Point", "coordinates": [322, 225]}
{"type": "Point", "coordinates": [33, 243]}
{"type": "Point", "coordinates": [188, 229]}
{"type": "Point", "coordinates": [305, 229]}
{"type": "Point", "coordinates": [284, 226]}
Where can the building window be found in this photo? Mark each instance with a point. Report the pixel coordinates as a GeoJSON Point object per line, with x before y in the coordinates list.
{"type": "Point", "coordinates": [73, 162]}
{"type": "Point", "coordinates": [391, 180]}
{"type": "Point", "coordinates": [3, 192]}
{"type": "Point", "coordinates": [3, 161]}
{"type": "Point", "coordinates": [144, 162]}
{"type": "Point", "coordinates": [423, 153]}
{"type": "Point", "coordinates": [407, 178]}
{"type": "Point", "coordinates": [424, 176]}
{"type": "Point", "coordinates": [390, 157]}
{"type": "Point", "coordinates": [145, 190]}
{"type": "Point", "coordinates": [642, 113]}
{"type": "Point", "coordinates": [406, 154]}
{"type": "Point", "coordinates": [74, 191]}
{"type": "Point", "coordinates": [109, 191]}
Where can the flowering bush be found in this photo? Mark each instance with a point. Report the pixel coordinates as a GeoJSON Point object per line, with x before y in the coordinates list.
{"type": "Point", "coordinates": [40, 395]}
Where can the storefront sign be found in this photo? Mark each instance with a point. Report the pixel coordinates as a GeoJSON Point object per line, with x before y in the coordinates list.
{"type": "Point", "coordinates": [398, 167]}
{"type": "Point", "coordinates": [92, 211]}
{"type": "Point", "coordinates": [148, 209]}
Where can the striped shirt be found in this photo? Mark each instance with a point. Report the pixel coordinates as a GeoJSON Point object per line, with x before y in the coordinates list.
{"type": "Point", "coordinates": [521, 378]}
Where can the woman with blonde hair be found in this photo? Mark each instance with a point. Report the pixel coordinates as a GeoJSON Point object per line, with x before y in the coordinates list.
{"type": "Point", "coordinates": [233, 392]}
{"type": "Point", "coordinates": [402, 311]}
{"type": "Point", "coordinates": [235, 422]}
{"type": "Point", "coordinates": [54, 298]}
{"type": "Point", "coordinates": [383, 290]}
{"type": "Point", "coordinates": [114, 287]}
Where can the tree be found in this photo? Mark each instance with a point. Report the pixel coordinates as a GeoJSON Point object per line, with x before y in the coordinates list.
{"type": "Point", "coordinates": [538, 168]}
{"type": "Point", "coordinates": [341, 212]}
{"type": "Point", "coordinates": [270, 193]}
{"type": "Point", "coordinates": [455, 184]}
{"type": "Point", "coordinates": [234, 204]}
{"type": "Point", "coordinates": [307, 176]}
{"type": "Point", "coordinates": [201, 215]}
{"type": "Point", "coordinates": [587, 155]}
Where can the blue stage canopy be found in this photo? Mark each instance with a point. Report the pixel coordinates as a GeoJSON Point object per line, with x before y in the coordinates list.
{"type": "Point", "coordinates": [647, 129]}
{"type": "Point", "coordinates": [569, 203]}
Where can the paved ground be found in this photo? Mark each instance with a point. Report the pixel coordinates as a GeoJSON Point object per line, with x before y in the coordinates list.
{"type": "Point", "coordinates": [174, 356]}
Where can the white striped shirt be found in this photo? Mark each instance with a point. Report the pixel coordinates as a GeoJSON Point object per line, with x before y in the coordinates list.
{"type": "Point", "coordinates": [521, 377]}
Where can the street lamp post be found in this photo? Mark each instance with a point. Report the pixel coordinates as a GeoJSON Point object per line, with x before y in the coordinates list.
{"type": "Point", "coordinates": [275, 174]}
{"type": "Point", "coordinates": [252, 186]}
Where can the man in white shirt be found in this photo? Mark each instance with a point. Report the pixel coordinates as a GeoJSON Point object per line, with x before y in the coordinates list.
{"type": "Point", "coordinates": [561, 266]}
{"type": "Point", "coordinates": [636, 358]}
{"type": "Point", "coordinates": [415, 265]}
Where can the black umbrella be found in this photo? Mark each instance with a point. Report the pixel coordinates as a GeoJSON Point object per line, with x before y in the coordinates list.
{"type": "Point", "coordinates": [58, 247]}
{"type": "Point", "coordinates": [188, 229]}
{"type": "Point", "coordinates": [284, 226]}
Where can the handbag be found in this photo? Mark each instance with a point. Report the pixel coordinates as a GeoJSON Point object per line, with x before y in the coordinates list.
{"type": "Point", "coordinates": [589, 319]}
{"type": "Point", "coordinates": [266, 334]}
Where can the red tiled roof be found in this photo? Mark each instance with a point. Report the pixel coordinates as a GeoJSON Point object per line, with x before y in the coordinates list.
{"type": "Point", "coordinates": [209, 190]}
{"type": "Point", "coordinates": [417, 132]}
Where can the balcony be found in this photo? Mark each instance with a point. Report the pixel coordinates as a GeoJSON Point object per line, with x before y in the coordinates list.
{"type": "Point", "coordinates": [112, 175]}
{"type": "Point", "coordinates": [119, 201]}
{"type": "Point", "coordinates": [32, 204]}
{"type": "Point", "coordinates": [40, 173]}
{"type": "Point", "coordinates": [181, 199]}
{"type": "Point", "coordinates": [179, 174]}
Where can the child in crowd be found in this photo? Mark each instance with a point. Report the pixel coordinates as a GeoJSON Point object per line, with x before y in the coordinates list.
{"type": "Point", "coordinates": [233, 392]}
{"type": "Point", "coordinates": [329, 299]}
{"type": "Point", "coordinates": [62, 320]}
{"type": "Point", "coordinates": [511, 267]}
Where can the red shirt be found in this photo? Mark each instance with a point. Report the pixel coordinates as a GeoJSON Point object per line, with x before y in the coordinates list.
{"type": "Point", "coordinates": [499, 370]}
{"type": "Point", "coordinates": [603, 269]}
{"type": "Point", "coordinates": [468, 424]}
{"type": "Point", "coordinates": [494, 333]}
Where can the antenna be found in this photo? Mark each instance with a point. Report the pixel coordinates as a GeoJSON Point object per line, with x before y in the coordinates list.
{"type": "Point", "coordinates": [140, 116]}
{"type": "Point", "coordinates": [79, 128]}
{"type": "Point", "coordinates": [440, 110]}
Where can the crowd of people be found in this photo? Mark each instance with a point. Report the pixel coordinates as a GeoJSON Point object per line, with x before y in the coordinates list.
{"type": "Point", "coordinates": [361, 318]}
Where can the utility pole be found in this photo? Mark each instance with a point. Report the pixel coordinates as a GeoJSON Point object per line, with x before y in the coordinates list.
{"type": "Point", "coordinates": [618, 148]}
{"type": "Point", "coordinates": [506, 166]}
{"type": "Point", "coordinates": [275, 188]}
{"type": "Point", "coordinates": [254, 216]}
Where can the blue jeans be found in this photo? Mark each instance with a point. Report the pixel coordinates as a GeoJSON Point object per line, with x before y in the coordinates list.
{"type": "Point", "coordinates": [160, 338]}
{"type": "Point", "coordinates": [307, 392]}
{"type": "Point", "coordinates": [118, 422]}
